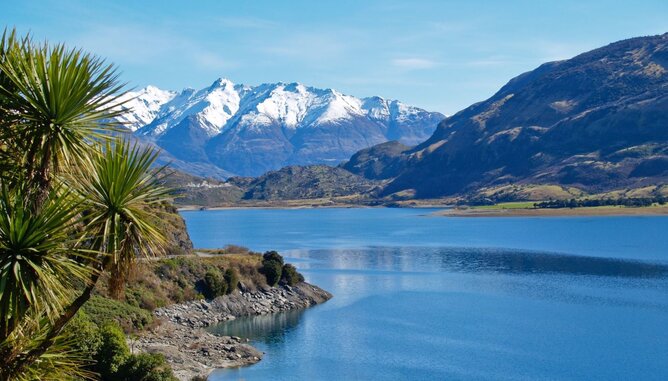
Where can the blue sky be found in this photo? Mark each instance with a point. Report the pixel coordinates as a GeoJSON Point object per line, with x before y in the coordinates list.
{"type": "Point", "coordinates": [440, 55]}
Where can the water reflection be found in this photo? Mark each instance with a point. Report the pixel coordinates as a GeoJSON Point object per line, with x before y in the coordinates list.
{"type": "Point", "coordinates": [269, 329]}
{"type": "Point", "coordinates": [477, 260]}
{"type": "Point", "coordinates": [522, 262]}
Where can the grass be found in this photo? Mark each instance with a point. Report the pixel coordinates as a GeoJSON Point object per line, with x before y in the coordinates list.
{"type": "Point", "coordinates": [159, 283]}
{"type": "Point", "coordinates": [131, 318]}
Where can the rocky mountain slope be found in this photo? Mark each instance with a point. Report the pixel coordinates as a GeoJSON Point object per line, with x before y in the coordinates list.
{"type": "Point", "coordinates": [598, 121]}
{"type": "Point", "coordinates": [303, 182]}
{"type": "Point", "coordinates": [227, 129]}
{"type": "Point", "coordinates": [289, 183]}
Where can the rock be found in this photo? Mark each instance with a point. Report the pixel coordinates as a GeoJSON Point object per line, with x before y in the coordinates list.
{"type": "Point", "coordinates": [247, 303]}
{"type": "Point", "coordinates": [191, 351]}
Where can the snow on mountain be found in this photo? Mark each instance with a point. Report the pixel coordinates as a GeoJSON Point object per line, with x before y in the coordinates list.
{"type": "Point", "coordinates": [222, 120]}
{"type": "Point", "coordinates": [143, 106]}
{"type": "Point", "coordinates": [212, 107]}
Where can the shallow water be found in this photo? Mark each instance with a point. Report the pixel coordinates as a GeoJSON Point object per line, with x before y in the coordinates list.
{"type": "Point", "coordinates": [420, 297]}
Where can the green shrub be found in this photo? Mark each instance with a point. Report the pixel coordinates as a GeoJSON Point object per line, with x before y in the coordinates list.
{"type": "Point", "coordinates": [114, 362]}
{"type": "Point", "coordinates": [85, 335]}
{"type": "Point", "coordinates": [102, 310]}
{"type": "Point", "coordinates": [214, 284]}
{"type": "Point", "coordinates": [272, 256]}
{"type": "Point", "coordinates": [232, 280]}
{"type": "Point", "coordinates": [290, 275]}
{"type": "Point", "coordinates": [272, 271]}
{"type": "Point", "coordinates": [272, 267]}
{"type": "Point", "coordinates": [112, 353]}
{"type": "Point", "coordinates": [146, 367]}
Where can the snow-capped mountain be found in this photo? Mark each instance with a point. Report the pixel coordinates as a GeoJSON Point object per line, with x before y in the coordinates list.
{"type": "Point", "coordinates": [248, 130]}
{"type": "Point", "coordinates": [143, 106]}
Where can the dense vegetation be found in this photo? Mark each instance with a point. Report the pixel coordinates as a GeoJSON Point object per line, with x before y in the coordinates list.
{"type": "Point", "coordinates": [276, 271]}
{"type": "Point", "coordinates": [104, 349]}
{"type": "Point", "coordinates": [159, 283]}
{"type": "Point", "coordinates": [76, 205]}
{"type": "Point", "coordinates": [628, 202]}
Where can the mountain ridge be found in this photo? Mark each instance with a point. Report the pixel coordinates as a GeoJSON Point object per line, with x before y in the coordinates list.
{"type": "Point", "coordinates": [249, 130]}
{"type": "Point", "coordinates": [597, 121]}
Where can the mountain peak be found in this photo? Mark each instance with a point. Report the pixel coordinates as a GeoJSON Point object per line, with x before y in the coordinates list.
{"type": "Point", "coordinates": [221, 82]}
{"type": "Point", "coordinates": [234, 126]}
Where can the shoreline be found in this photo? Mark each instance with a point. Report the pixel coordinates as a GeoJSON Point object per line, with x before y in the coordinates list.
{"type": "Point", "coordinates": [296, 205]}
{"type": "Point", "coordinates": [192, 351]}
{"type": "Point", "coordinates": [560, 212]}
{"type": "Point", "coordinates": [450, 211]}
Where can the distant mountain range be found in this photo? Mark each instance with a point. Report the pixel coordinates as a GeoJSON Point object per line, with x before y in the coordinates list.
{"type": "Point", "coordinates": [227, 129]}
{"type": "Point", "coordinates": [598, 121]}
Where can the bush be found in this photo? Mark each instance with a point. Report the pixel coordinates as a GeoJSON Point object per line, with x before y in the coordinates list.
{"type": "Point", "coordinates": [214, 284]}
{"type": "Point", "coordinates": [102, 310]}
{"type": "Point", "coordinates": [112, 353]}
{"type": "Point", "coordinates": [146, 367]}
{"type": "Point", "coordinates": [85, 335]}
{"type": "Point", "coordinates": [272, 256]}
{"type": "Point", "coordinates": [290, 275]}
{"type": "Point", "coordinates": [272, 267]}
{"type": "Point", "coordinates": [231, 279]}
{"type": "Point", "coordinates": [272, 271]}
{"type": "Point", "coordinates": [114, 362]}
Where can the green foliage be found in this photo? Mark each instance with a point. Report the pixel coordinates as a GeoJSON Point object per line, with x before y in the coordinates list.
{"type": "Point", "coordinates": [113, 352]}
{"type": "Point", "coordinates": [290, 275]}
{"type": "Point", "coordinates": [232, 280]}
{"type": "Point", "coordinates": [272, 267]}
{"type": "Point", "coordinates": [272, 256]}
{"type": "Point", "coordinates": [73, 205]}
{"type": "Point", "coordinates": [214, 284]}
{"type": "Point", "coordinates": [114, 362]}
{"type": "Point", "coordinates": [145, 367]}
{"type": "Point", "coordinates": [37, 269]}
{"type": "Point", "coordinates": [621, 201]}
{"type": "Point", "coordinates": [84, 334]}
{"type": "Point", "coordinates": [117, 189]}
{"type": "Point", "coordinates": [103, 310]}
{"type": "Point", "coordinates": [272, 271]}
{"type": "Point", "coordinates": [59, 97]}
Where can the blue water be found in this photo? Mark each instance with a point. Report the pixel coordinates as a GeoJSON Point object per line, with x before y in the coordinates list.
{"type": "Point", "coordinates": [432, 298]}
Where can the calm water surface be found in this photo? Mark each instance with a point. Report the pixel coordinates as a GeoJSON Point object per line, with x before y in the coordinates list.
{"type": "Point", "coordinates": [431, 298]}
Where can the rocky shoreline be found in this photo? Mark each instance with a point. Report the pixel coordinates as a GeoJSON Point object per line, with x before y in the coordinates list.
{"type": "Point", "coordinates": [191, 351]}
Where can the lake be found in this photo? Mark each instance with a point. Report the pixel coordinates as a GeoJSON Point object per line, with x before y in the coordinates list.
{"type": "Point", "coordinates": [418, 297]}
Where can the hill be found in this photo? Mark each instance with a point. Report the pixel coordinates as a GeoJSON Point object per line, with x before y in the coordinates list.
{"type": "Point", "coordinates": [598, 121]}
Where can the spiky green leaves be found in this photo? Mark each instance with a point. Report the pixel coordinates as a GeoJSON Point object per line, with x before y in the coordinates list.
{"type": "Point", "coordinates": [38, 265]}
{"type": "Point", "coordinates": [56, 100]}
{"type": "Point", "coordinates": [117, 188]}
{"type": "Point", "coordinates": [72, 203]}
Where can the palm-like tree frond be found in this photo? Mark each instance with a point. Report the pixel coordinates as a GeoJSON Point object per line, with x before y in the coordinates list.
{"type": "Point", "coordinates": [59, 100]}
{"type": "Point", "coordinates": [38, 267]}
{"type": "Point", "coordinates": [118, 188]}
{"type": "Point", "coordinates": [62, 360]}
